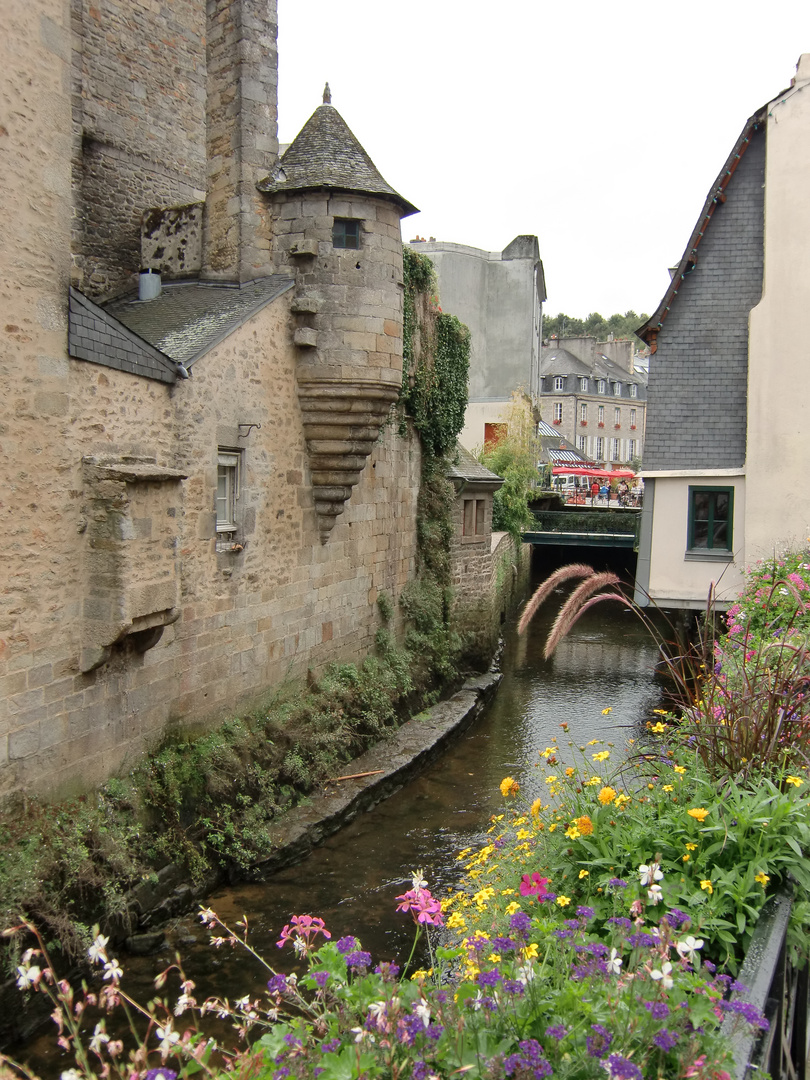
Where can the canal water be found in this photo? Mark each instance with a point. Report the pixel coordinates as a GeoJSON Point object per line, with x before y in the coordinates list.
{"type": "Point", "coordinates": [608, 660]}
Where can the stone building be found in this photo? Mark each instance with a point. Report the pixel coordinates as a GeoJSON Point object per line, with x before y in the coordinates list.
{"type": "Point", "coordinates": [595, 395]}
{"type": "Point", "coordinates": [499, 295]}
{"type": "Point", "coordinates": [201, 498]}
{"type": "Point", "coordinates": [726, 461]}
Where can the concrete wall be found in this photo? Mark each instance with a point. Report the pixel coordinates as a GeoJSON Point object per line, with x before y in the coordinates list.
{"type": "Point", "coordinates": [778, 458]}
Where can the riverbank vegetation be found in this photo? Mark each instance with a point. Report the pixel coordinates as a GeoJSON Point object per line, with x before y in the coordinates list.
{"type": "Point", "coordinates": [207, 801]}
{"type": "Point", "coordinates": [514, 456]}
{"type": "Point", "coordinates": [599, 928]}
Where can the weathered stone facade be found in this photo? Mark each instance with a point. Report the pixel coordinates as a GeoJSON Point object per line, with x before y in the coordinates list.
{"type": "Point", "coordinates": [125, 607]}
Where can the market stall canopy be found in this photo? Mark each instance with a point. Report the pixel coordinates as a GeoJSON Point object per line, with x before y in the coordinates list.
{"type": "Point", "coordinates": [606, 474]}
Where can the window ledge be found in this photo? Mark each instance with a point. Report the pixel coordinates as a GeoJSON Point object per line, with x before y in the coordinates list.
{"type": "Point", "coordinates": [709, 556]}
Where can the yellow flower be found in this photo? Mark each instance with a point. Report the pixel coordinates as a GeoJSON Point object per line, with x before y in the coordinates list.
{"type": "Point", "coordinates": [509, 786]}
{"type": "Point", "coordinates": [563, 901]}
{"type": "Point", "coordinates": [621, 800]}
{"type": "Point", "coordinates": [667, 787]}
{"type": "Point", "coordinates": [698, 813]}
{"type": "Point", "coordinates": [594, 780]}
{"type": "Point", "coordinates": [494, 958]}
{"type": "Point", "coordinates": [572, 832]}
{"type": "Point", "coordinates": [606, 796]}
{"type": "Point", "coordinates": [537, 806]}
{"type": "Point", "coordinates": [530, 952]}
{"type": "Point", "coordinates": [550, 779]}
{"type": "Point", "coordinates": [763, 879]}
{"type": "Point", "coordinates": [685, 858]}
{"type": "Point", "coordinates": [707, 886]}
{"type": "Point", "coordinates": [795, 780]}
{"type": "Point", "coordinates": [609, 709]}
{"type": "Point", "coordinates": [551, 828]}
{"type": "Point", "coordinates": [584, 824]}
{"type": "Point", "coordinates": [583, 873]}
{"type": "Point", "coordinates": [456, 922]}
{"type": "Point", "coordinates": [510, 909]}
{"type": "Point", "coordinates": [593, 742]}
{"type": "Point", "coordinates": [658, 728]}
{"type": "Point", "coordinates": [421, 974]}
{"type": "Point", "coordinates": [691, 847]}
{"type": "Point", "coordinates": [660, 712]}
{"type": "Point", "coordinates": [507, 892]}
{"type": "Point", "coordinates": [524, 834]}
{"type": "Point", "coordinates": [570, 771]}
{"type": "Point", "coordinates": [603, 755]}
{"type": "Point", "coordinates": [679, 768]}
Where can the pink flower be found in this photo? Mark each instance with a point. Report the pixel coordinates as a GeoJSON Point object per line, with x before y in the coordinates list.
{"type": "Point", "coordinates": [302, 928]}
{"type": "Point", "coordinates": [422, 906]}
{"type": "Point", "coordinates": [534, 885]}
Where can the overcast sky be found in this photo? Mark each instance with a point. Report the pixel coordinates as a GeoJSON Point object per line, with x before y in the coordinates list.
{"type": "Point", "coordinates": [599, 127]}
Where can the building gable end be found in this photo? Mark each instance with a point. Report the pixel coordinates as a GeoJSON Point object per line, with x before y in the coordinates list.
{"type": "Point", "coordinates": [96, 336]}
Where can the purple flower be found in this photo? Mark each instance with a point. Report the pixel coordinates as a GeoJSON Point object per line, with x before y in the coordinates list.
{"type": "Point", "coordinates": [635, 940]}
{"type": "Point", "coordinates": [503, 944]}
{"type": "Point", "coordinates": [330, 1047]}
{"type": "Point", "coordinates": [617, 883]}
{"type": "Point", "coordinates": [388, 971]}
{"type": "Point", "coordinates": [321, 978]}
{"type": "Point", "coordinates": [531, 1058]}
{"type": "Point", "coordinates": [709, 966]}
{"type": "Point", "coordinates": [157, 1074]}
{"type": "Point", "coordinates": [585, 912]}
{"type": "Point", "coordinates": [488, 978]}
{"type": "Point", "coordinates": [420, 1071]}
{"type": "Point", "coordinates": [556, 1031]}
{"type": "Point", "coordinates": [620, 920]}
{"type": "Point", "coordinates": [622, 1068]}
{"type": "Point", "coordinates": [665, 1040]}
{"type": "Point", "coordinates": [599, 1043]}
{"type": "Point", "coordinates": [676, 917]}
{"type": "Point", "coordinates": [658, 1010]}
{"type": "Point", "coordinates": [514, 986]}
{"type": "Point", "coordinates": [520, 923]}
{"type": "Point", "coordinates": [346, 944]}
{"type": "Point", "coordinates": [562, 933]}
{"type": "Point", "coordinates": [292, 1041]}
{"type": "Point", "coordinates": [358, 959]}
{"type": "Point", "coordinates": [750, 1013]}
{"type": "Point", "coordinates": [278, 984]}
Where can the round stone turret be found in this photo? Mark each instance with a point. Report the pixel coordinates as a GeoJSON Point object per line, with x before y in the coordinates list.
{"type": "Point", "coordinates": [337, 227]}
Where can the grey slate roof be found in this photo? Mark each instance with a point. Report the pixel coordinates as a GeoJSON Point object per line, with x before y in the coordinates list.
{"type": "Point", "coordinates": [187, 320]}
{"type": "Point", "coordinates": [558, 361]}
{"type": "Point", "coordinates": [468, 470]}
{"type": "Point", "coordinates": [94, 335]}
{"type": "Point", "coordinates": [326, 154]}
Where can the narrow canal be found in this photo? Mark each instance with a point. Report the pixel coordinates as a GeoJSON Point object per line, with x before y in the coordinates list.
{"type": "Point", "coordinates": [351, 881]}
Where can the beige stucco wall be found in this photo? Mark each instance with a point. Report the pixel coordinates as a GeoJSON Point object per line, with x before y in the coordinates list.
{"type": "Point", "coordinates": [672, 576]}
{"type": "Point", "coordinates": [479, 413]}
{"type": "Point", "coordinates": [778, 449]}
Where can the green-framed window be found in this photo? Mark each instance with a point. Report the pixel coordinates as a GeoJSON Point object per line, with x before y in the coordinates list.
{"type": "Point", "coordinates": [711, 519]}
{"type": "Point", "coordinates": [346, 233]}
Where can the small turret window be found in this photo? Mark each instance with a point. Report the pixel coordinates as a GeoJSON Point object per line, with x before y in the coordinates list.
{"type": "Point", "coordinates": [346, 233]}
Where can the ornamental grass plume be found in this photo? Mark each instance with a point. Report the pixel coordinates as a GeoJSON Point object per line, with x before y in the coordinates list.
{"type": "Point", "coordinates": [576, 604]}
{"type": "Point", "coordinates": [547, 587]}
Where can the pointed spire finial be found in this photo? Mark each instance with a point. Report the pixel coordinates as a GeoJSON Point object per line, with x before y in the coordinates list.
{"type": "Point", "coordinates": [327, 95]}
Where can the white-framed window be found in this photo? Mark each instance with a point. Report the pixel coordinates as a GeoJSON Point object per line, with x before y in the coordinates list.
{"type": "Point", "coordinates": [600, 414]}
{"type": "Point", "coordinates": [600, 448]}
{"type": "Point", "coordinates": [617, 389]}
{"type": "Point", "coordinates": [602, 386]}
{"type": "Point", "coordinates": [633, 390]}
{"type": "Point", "coordinates": [617, 416]}
{"type": "Point", "coordinates": [632, 418]}
{"type": "Point", "coordinates": [631, 449]}
{"type": "Point", "coordinates": [582, 442]}
{"type": "Point", "coordinates": [559, 382]}
{"type": "Point", "coordinates": [583, 384]}
{"type": "Point", "coordinates": [228, 479]}
{"type": "Point", "coordinates": [614, 449]}
{"type": "Point", "coordinates": [557, 412]}
{"type": "Point", "coordinates": [583, 413]}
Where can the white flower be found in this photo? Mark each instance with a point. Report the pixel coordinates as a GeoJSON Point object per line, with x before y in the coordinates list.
{"type": "Point", "coordinates": [360, 1034]}
{"type": "Point", "coordinates": [615, 962]}
{"type": "Point", "coordinates": [687, 949]}
{"type": "Point", "coordinates": [664, 975]}
{"type": "Point", "coordinates": [71, 1074]}
{"type": "Point", "coordinates": [112, 970]}
{"type": "Point", "coordinates": [377, 1010]}
{"type": "Point", "coordinates": [419, 882]}
{"type": "Point", "coordinates": [242, 1003]}
{"type": "Point", "coordinates": [650, 873]}
{"type": "Point", "coordinates": [207, 915]}
{"type": "Point", "coordinates": [654, 894]}
{"type": "Point", "coordinates": [422, 1010]}
{"type": "Point", "coordinates": [98, 950]}
{"type": "Point", "coordinates": [100, 1037]}
{"type": "Point", "coordinates": [183, 1002]}
{"type": "Point", "coordinates": [525, 974]}
{"type": "Point", "coordinates": [167, 1037]}
{"type": "Point", "coordinates": [28, 976]}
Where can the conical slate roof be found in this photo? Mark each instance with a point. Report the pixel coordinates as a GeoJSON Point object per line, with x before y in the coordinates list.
{"type": "Point", "coordinates": [325, 154]}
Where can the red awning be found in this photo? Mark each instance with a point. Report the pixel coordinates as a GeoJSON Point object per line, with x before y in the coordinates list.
{"type": "Point", "coordinates": [605, 474]}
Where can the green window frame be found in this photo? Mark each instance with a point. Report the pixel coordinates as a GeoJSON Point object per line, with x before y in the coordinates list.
{"type": "Point", "coordinates": [346, 233]}
{"type": "Point", "coordinates": [711, 519]}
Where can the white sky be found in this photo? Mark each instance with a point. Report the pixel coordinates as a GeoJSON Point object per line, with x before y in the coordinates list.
{"type": "Point", "coordinates": [597, 126]}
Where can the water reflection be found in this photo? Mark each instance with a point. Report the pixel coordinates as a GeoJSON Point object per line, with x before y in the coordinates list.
{"type": "Point", "coordinates": [351, 881]}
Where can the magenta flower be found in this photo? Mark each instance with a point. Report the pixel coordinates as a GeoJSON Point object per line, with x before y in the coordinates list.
{"type": "Point", "coordinates": [534, 885]}
{"type": "Point", "coordinates": [300, 930]}
{"type": "Point", "coordinates": [422, 906]}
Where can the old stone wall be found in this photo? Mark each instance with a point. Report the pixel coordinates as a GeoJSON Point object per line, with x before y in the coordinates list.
{"type": "Point", "coordinates": [139, 100]}
{"type": "Point", "coordinates": [248, 619]}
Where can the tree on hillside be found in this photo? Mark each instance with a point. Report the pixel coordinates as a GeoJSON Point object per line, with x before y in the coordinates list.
{"type": "Point", "coordinates": [595, 325]}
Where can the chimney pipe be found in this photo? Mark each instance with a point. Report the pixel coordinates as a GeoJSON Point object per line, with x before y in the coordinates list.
{"type": "Point", "coordinates": [148, 284]}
